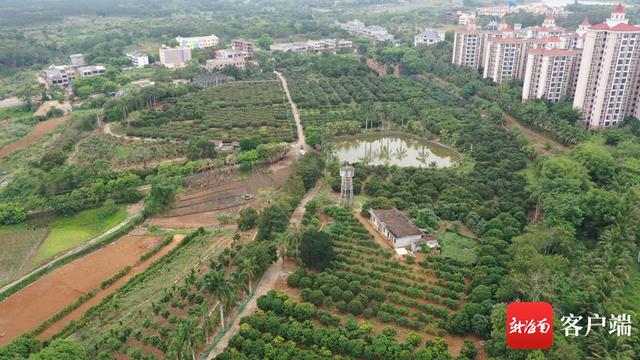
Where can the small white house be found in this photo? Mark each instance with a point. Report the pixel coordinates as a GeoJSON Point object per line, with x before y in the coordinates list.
{"type": "Point", "coordinates": [396, 228]}
{"type": "Point", "coordinates": [428, 37]}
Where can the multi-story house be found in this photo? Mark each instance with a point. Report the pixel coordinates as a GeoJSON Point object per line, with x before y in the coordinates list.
{"type": "Point", "coordinates": [607, 88]}
{"type": "Point", "coordinates": [243, 45]}
{"type": "Point", "coordinates": [138, 60]}
{"type": "Point", "coordinates": [428, 37]}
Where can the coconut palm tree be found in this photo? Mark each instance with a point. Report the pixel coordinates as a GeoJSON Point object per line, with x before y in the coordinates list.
{"type": "Point", "coordinates": [216, 284]}
{"type": "Point", "coordinates": [290, 243]}
{"type": "Point", "coordinates": [184, 340]}
{"type": "Point", "coordinates": [249, 270]}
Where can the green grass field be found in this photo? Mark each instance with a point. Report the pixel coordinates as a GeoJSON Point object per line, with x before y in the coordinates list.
{"type": "Point", "coordinates": [16, 242]}
{"type": "Point", "coordinates": [458, 247]}
{"type": "Point", "coordinates": [67, 233]}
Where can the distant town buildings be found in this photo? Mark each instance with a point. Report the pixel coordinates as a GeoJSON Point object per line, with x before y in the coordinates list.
{"type": "Point", "coordinates": [221, 63]}
{"type": "Point", "coordinates": [197, 42]}
{"type": "Point", "coordinates": [596, 65]}
{"type": "Point", "coordinates": [77, 60]}
{"type": "Point", "coordinates": [63, 75]}
{"type": "Point", "coordinates": [174, 57]}
{"type": "Point", "coordinates": [138, 60]}
{"type": "Point", "coordinates": [377, 33]}
{"type": "Point", "coordinates": [243, 45]}
{"type": "Point", "coordinates": [428, 37]}
{"type": "Point", "coordinates": [312, 46]}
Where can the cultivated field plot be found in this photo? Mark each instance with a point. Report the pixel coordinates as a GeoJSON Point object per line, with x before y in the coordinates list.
{"type": "Point", "coordinates": [366, 281]}
{"type": "Point", "coordinates": [123, 154]}
{"type": "Point", "coordinates": [17, 243]}
{"type": "Point", "coordinates": [150, 316]}
{"type": "Point", "coordinates": [325, 100]}
{"type": "Point", "coordinates": [67, 233]}
{"type": "Point", "coordinates": [29, 307]}
{"type": "Point", "coordinates": [233, 111]}
{"type": "Point", "coordinates": [458, 247]}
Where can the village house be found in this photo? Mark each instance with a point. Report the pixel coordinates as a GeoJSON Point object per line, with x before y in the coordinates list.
{"type": "Point", "coordinates": [397, 228]}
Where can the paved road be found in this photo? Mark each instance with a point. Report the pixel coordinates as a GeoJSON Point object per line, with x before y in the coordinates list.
{"type": "Point", "coordinates": [77, 249]}
{"type": "Point", "coordinates": [276, 270]}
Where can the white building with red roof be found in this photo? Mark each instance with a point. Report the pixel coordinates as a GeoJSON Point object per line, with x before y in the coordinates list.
{"type": "Point", "coordinates": [607, 88]}
{"type": "Point", "coordinates": [551, 74]}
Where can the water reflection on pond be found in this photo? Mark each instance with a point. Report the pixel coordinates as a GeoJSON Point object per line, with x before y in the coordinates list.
{"type": "Point", "coordinates": [403, 151]}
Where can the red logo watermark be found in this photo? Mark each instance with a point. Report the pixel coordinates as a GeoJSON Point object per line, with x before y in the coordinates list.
{"type": "Point", "coordinates": [529, 325]}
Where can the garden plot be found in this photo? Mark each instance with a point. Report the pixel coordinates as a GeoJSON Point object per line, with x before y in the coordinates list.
{"type": "Point", "coordinates": [231, 112]}
{"type": "Point", "coordinates": [366, 281]}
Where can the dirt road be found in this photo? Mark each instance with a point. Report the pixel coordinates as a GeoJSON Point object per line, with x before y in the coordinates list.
{"type": "Point", "coordinates": [296, 114]}
{"type": "Point", "coordinates": [10, 102]}
{"type": "Point", "coordinates": [275, 272]}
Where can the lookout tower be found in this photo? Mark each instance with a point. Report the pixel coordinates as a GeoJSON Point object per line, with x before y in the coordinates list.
{"type": "Point", "coordinates": [346, 189]}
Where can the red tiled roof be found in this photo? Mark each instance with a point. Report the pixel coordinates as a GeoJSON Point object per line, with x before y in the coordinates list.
{"type": "Point", "coordinates": [585, 22]}
{"type": "Point", "coordinates": [548, 39]}
{"type": "Point", "coordinates": [619, 9]}
{"type": "Point", "coordinates": [619, 27]}
{"type": "Point", "coordinates": [553, 52]}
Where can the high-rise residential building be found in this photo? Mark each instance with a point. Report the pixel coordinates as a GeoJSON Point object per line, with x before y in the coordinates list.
{"type": "Point", "coordinates": [551, 74]}
{"type": "Point", "coordinates": [197, 42]}
{"type": "Point", "coordinates": [469, 45]}
{"type": "Point", "coordinates": [607, 88]}
{"type": "Point", "coordinates": [505, 59]}
{"type": "Point", "coordinates": [174, 57]}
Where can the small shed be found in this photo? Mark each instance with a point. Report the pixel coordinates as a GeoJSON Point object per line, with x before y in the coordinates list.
{"type": "Point", "coordinates": [396, 228]}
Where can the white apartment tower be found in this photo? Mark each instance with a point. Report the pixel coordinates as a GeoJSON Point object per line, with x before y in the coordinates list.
{"type": "Point", "coordinates": [550, 74]}
{"type": "Point", "coordinates": [469, 46]}
{"type": "Point", "coordinates": [606, 90]}
{"type": "Point", "coordinates": [505, 59]}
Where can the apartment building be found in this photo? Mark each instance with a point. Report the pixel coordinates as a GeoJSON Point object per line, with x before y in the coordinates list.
{"type": "Point", "coordinates": [607, 87]}
{"type": "Point", "coordinates": [138, 60]}
{"type": "Point", "coordinates": [230, 54]}
{"type": "Point", "coordinates": [174, 57]}
{"type": "Point", "coordinates": [197, 42]}
{"type": "Point", "coordinates": [63, 75]}
{"type": "Point", "coordinates": [551, 74]}
{"type": "Point", "coordinates": [505, 59]}
{"type": "Point", "coordinates": [243, 45]}
{"type": "Point", "coordinates": [469, 45]}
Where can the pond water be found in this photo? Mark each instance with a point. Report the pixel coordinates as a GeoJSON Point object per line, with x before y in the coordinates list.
{"type": "Point", "coordinates": [403, 151]}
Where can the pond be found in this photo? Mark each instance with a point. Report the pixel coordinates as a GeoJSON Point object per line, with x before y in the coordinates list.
{"type": "Point", "coordinates": [400, 150]}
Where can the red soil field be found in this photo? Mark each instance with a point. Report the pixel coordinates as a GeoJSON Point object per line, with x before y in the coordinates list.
{"type": "Point", "coordinates": [77, 313]}
{"type": "Point", "coordinates": [39, 131]}
{"type": "Point", "coordinates": [28, 308]}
